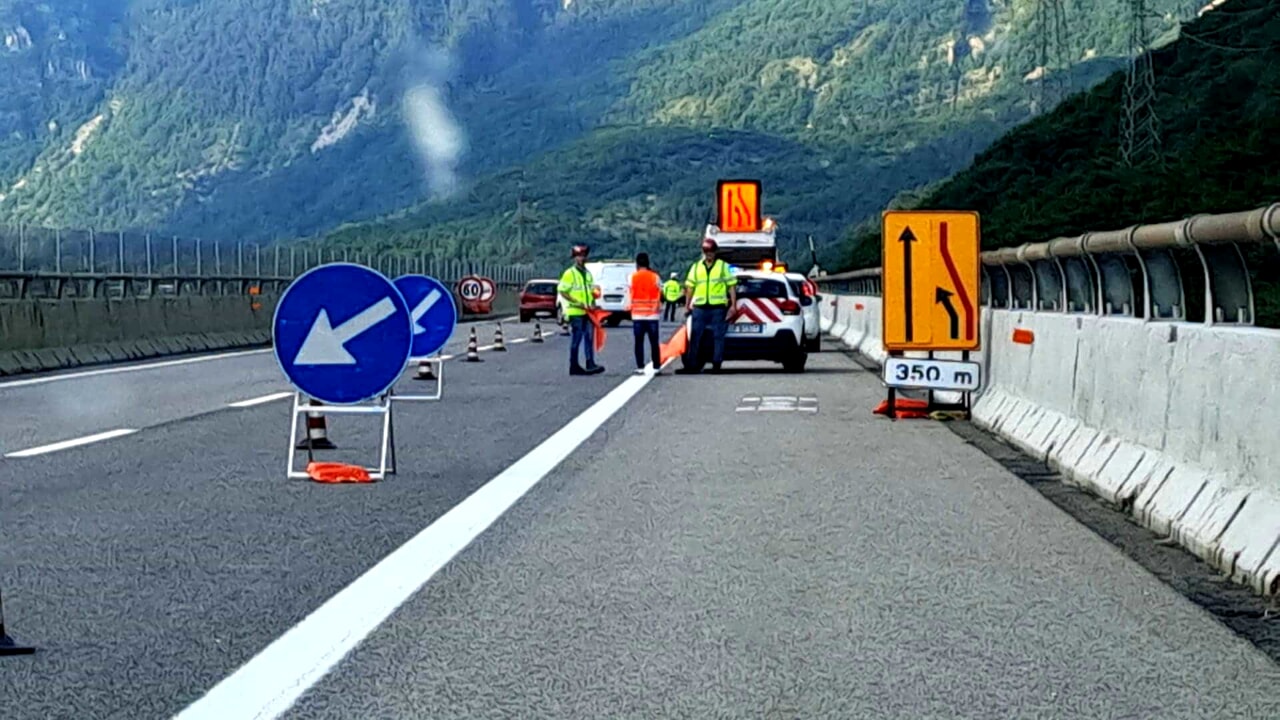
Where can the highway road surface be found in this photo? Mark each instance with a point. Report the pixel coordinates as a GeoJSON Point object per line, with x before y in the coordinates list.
{"type": "Point", "coordinates": [753, 544]}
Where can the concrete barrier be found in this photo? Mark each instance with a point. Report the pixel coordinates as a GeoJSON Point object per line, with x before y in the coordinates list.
{"type": "Point", "coordinates": [40, 335]}
{"type": "Point", "coordinates": [1173, 422]}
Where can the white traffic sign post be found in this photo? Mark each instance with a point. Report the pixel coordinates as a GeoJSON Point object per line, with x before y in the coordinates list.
{"type": "Point", "coordinates": [433, 317]}
{"type": "Point", "coordinates": [342, 335]}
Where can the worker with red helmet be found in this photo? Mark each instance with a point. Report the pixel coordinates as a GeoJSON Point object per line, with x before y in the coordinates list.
{"type": "Point", "coordinates": [712, 295]}
{"type": "Point", "coordinates": [577, 288]}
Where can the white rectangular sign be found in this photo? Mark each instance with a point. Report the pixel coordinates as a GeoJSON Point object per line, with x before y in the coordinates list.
{"type": "Point", "coordinates": [932, 374]}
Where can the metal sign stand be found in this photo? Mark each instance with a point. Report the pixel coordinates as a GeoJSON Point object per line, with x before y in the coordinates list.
{"type": "Point", "coordinates": [437, 367]}
{"type": "Point", "coordinates": [931, 404]}
{"type": "Point", "coordinates": [382, 406]}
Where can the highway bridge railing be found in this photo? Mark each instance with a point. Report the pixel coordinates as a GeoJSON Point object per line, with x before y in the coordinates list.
{"type": "Point", "coordinates": [44, 263]}
{"type": "Point", "coordinates": [1171, 271]}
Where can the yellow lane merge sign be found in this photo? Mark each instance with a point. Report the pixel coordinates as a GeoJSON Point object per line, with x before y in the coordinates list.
{"type": "Point", "coordinates": [930, 278]}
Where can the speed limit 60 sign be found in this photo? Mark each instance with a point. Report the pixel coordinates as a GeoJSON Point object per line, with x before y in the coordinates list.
{"type": "Point", "coordinates": [477, 294]}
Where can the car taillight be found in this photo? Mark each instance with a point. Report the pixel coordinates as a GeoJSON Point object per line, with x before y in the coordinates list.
{"type": "Point", "coordinates": [789, 307]}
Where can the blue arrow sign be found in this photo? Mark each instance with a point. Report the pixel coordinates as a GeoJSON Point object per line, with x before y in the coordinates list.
{"type": "Point", "coordinates": [342, 333]}
{"type": "Point", "coordinates": [431, 311]}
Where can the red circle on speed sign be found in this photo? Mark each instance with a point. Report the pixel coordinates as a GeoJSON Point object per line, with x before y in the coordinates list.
{"type": "Point", "coordinates": [470, 288]}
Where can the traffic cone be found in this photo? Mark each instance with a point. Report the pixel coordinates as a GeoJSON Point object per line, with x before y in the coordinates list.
{"type": "Point", "coordinates": [537, 332]}
{"type": "Point", "coordinates": [317, 432]}
{"type": "Point", "coordinates": [473, 351]}
{"type": "Point", "coordinates": [424, 371]}
{"type": "Point", "coordinates": [8, 646]}
{"type": "Point", "coordinates": [498, 344]}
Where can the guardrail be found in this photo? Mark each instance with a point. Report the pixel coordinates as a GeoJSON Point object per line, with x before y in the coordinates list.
{"type": "Point", "coordinates": [1164, 271]}
{"type": "Point", "coordinates": [40, 263]}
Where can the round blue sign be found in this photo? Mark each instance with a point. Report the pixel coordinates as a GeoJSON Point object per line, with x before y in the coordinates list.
{"type": "Point", "coordinates": [342, 333]}
{"type": "Point", "coordinates": [432, 312]}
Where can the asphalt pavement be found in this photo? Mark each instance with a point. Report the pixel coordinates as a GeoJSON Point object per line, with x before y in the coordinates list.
{"type": "Point", "coordinates": [147, 567]}
{"type": "Point", "coordinates": [751, 544]}
{"type": "Point", "coordinates": [759, 544]}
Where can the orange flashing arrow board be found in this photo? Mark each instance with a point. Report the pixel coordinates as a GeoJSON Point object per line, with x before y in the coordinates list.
{"type": "Point", "coordinates": [930, 268]}
{"type": "Point", "coordinates": [738, 206]}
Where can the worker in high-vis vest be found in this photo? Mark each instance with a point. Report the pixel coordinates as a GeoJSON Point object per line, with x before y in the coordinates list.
{"type": "Point", "coordinates": [671, 292]}
{"type": "Point", "coordinates": [577, 289]}
{"type": "Point", "coordinates": [712, 296]}
{"type": "Point", "coordinates": [646, 313]}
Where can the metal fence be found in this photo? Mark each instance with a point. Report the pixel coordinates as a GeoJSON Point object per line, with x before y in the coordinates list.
{"type": "Point", "coordinates": [1215, 269]}
{"type": "Point", "coordinates": [53, 263]}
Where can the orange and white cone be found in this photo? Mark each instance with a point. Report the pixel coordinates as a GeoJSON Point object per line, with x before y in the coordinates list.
{"type": "Point", "coordinates": [424, 371]}
{"type": "Point", "coordinates": [317, 437]}
{"type": "Point", "coordinates": [473, 351]}
{"type": "Point", "coordinates": [498, 344]}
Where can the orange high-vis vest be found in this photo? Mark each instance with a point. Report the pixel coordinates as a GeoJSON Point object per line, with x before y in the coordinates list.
{"type": "Point", "coordinates": [646, 295]}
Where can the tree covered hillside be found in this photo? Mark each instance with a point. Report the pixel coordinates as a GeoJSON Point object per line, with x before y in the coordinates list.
{"type": "Point", "coordinates": [261, 119]}
{"type": "Point", "coordinates": [1218, 110]}
{"type": "Point", "coordinates": [875, 97]}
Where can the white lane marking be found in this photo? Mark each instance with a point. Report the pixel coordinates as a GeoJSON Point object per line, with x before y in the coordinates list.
{"type": "Point", "coordinates": [272, 681]}
{"type": "Point", "coordinates": [75, 442]}
{"type": "Point", "coordinates": [260, 400]}
{"type": "Point", "coordinates": [130, 368]}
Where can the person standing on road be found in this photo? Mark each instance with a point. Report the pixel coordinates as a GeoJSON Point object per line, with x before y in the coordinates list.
{"type": "Point", "coordinates": [712, 297]}
{"type": "Point", "coordinates": [671, 292]}
{"type": "Point", "coordinates": [577, 289]}
{"type": "Point", "coordinates": [646, 296]}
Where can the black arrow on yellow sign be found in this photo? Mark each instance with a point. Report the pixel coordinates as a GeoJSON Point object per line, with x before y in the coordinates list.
{"type": "Point", "coordinates": [944, 297]}
{"type": "Point", "coordinates": [906, 238]}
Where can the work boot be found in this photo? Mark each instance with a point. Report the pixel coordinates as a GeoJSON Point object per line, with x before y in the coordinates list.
{"type": "Point", "coordinates": [595, 369]}
{"type": "Point", "coordinates": [576, 370]}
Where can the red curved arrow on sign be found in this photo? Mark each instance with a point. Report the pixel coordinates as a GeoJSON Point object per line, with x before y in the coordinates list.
{"type": "Point", "coordinates": [955, 280]}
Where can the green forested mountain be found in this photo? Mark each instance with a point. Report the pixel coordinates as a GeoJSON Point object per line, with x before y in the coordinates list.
{"type": "Point", "coordinates": [415, 123]}
{"type": "Point", "coordinates": [1217, 110]}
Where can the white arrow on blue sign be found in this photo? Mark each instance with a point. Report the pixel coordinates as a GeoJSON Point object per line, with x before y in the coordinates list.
{"type": "Point", "coordinates": [431, 310]}
{"type": "Point", "coordinates": [342, 333]}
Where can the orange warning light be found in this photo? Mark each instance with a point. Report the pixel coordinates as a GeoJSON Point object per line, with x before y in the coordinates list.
{"type": "Point", "coordinates": [738, 205]}
{"type": "Point", "coordinates": [255, 290]}
{"type": "Point", "coordinates": [1022, 336]}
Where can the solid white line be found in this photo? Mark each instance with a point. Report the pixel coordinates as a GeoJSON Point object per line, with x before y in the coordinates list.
{"type": "Point", "coordinates": [273, 680]}
{"type": "Point", "coordinates": [260, 400]}
{"type": "Point", "coordinates": [130, 368]}
{"type": "Point", "coordinates": [65, 444]}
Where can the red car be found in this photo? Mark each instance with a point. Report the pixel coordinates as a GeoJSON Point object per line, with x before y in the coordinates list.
{"type": "Point", "coordinates": [538, 299]}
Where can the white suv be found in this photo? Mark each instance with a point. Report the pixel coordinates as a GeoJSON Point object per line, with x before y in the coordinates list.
{"type": "Point", "coordinates": [812, 313]}
{"type": "Point", "coordinates": [768, 324]}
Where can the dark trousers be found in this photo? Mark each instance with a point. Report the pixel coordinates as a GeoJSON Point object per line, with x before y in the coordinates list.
{"type": "Point", "coordinates": [669, 312]}
{"type": "Point", "coordinates": [641, 329]}
{"type": "Point", "coordinates": [709, 316]}
{"type": "Point", "coordinates": [584, 334]}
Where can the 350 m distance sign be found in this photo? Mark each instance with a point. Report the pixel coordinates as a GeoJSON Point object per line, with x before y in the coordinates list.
{"type": "Point", "coordinates": [924, 374]}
